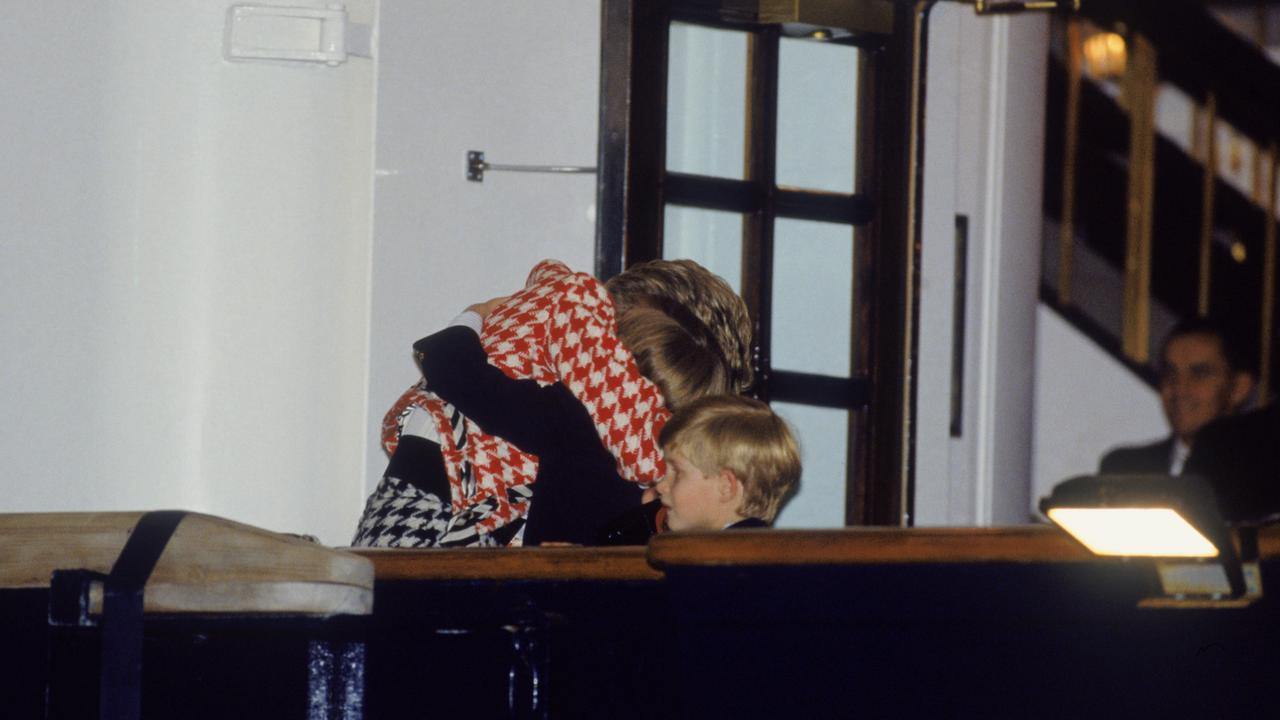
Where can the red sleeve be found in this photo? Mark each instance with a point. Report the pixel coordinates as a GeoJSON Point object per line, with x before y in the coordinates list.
{"type": "Point", "coordinates": [546, 271]}
{"type": "Point", "coordinates": [587, 356]}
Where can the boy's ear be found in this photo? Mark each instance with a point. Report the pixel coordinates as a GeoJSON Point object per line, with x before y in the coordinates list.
{"type": "Point", "coordinates": [730, 487]}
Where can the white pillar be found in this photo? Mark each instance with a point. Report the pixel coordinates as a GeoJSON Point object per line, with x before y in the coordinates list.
{"type": "Point", "coordinates": [984, 151]}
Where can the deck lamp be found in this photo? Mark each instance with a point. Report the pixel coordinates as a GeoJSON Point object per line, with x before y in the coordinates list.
{"type": "Point", "coordinates": [1173, 519]}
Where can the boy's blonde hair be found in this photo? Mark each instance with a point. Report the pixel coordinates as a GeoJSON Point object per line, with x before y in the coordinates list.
{"type": "Point", "coordinates": [700, 301]}
{"type": "Point", "coordinates": [744, 436]}
{"type": "Point", "coordinates": [680, 364]}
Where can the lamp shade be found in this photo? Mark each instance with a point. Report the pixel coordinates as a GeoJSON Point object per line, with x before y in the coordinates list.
{"type": "Point", "coordinates": [1144, 516]}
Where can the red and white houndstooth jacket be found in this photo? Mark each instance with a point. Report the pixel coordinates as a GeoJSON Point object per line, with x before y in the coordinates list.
{"type": "Point", "coordinates": [559, 328]}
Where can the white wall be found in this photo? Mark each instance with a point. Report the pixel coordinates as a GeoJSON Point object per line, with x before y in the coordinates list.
{"type": "Point", "coordinates": [983, 159]}
{"type": "Point", "coordinates": [1085, 404]}
{"type": "Point", "coordinates": [518, 81]}
{"type": "Point", "coordinates": [184, 268]}
{"type": "Point", "coordinates": [457, 76]}
{"type": "Point", "coordinates": [199, 313]}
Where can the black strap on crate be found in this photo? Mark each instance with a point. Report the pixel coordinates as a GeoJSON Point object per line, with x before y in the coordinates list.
{"type": "Point", "coordinates": [120, 688]}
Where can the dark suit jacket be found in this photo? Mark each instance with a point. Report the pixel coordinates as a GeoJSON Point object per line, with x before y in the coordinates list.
{"type": "Point", "coordinates": [1240, 455]}
{"type": "Point", "coordinates": [1150, 459]}
{"type": "Point", "coordinates": [577, 489]}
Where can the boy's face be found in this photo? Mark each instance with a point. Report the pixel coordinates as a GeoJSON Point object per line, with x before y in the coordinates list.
{"type": "Point", "coordinates": [695, 500]}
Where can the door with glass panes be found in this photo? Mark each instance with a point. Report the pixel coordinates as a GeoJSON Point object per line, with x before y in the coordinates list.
{"type": "Point", "coordinates": [748, 147]}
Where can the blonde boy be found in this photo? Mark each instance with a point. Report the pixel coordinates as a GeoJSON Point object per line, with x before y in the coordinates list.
{"type": "Point", "coordinates": [730, 464]}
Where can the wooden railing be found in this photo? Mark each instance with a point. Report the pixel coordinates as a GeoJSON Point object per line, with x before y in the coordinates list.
{"type": "Point", "coordinates": [848, 546]}
{"type": "Point", "coordinates": [1229, 80]}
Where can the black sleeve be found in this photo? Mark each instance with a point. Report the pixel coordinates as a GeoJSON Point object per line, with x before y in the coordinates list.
{"type": "Point", "coordinates": [520, 411]}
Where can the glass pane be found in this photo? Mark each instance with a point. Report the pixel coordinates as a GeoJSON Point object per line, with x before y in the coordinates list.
{"type": "Point", "coordinates": [710, 237]}
{"type": "Point", "coordinates": [823, 434]}
{"type": "Point", "coordinates": [706, 101]}
{"type": "Point", "coordinates": [812, 297]}
{"type": "Point", "coordinates": [817, 114]}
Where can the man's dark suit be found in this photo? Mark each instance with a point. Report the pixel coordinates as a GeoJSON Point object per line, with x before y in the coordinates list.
{"type": "Point", "coordinates": [1150, 459]}
{"type": "Point", "coordinates": [1240, 455]}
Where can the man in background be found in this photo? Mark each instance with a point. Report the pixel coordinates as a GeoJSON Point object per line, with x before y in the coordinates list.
{"type": "Point", "coordinates": [1240, 455]}
{"type": "Point", "coordinates": [1202, 378]}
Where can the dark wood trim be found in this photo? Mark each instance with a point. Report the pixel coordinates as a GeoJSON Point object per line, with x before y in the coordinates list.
{"type": "Point", "coordinates": [819, 390]}
{"type": "Point", "coordinates": [757, 246]}
{"type": "Point", "coordinates": [743, 196]}
{"type": "Point", "coordinates": [713, 14]}
{"type": "Point", "coordinates": [613, 151]}
{"type": "Point", "coordinates": [534, 563]}
{"type": "Point", "coordinates": [884, 496]}
{"type": "Point", "coordinates": [825, 207]}
{"type": "Point", "coordinates": [866, 546]}
{"type": "Point", "coordinates": [647, 150]}
{"type": "Point", "coordinates": [850, 546]}
{"type": "Point", "coordinates": [858, 446]}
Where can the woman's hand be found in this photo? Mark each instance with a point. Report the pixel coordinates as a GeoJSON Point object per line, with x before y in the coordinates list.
{"type": "Point", "coordinates": [483, 309]}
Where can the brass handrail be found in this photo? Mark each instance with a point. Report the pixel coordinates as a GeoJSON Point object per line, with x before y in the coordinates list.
{"type": "Point", "coordinates": [1140, 82]}
{"type": "Point", "coordinates": [1067, 237]}
{"type": "Point", "coordinates": [1206, 202]}
{"type": "Point", "coordinates": [1268, 279]}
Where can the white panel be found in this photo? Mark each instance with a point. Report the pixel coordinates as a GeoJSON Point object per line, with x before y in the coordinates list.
{"type": "Point", "coordinates": [518, 81]}
{"type": "Point", "coordinates": [706, 101]}
{"type": "Point", "coordinates": [1011, 271]}
{"type": "Point", "coordinates": [1085, 404]}
{"type": "Point", "coordinates": [817, 114]}
{"type": "Point", "coordinates": [936, 502]}
{"type": "Point", "coordinates": [823, 434]}
{"type": "Point", "coordinates": [812, 297]}
{"type": "Point", "coordinates": [713, 238]}
{"type": "Point", "coordinates": [988, 174]}
{"type": "Point", "coordinates": [185, 262]}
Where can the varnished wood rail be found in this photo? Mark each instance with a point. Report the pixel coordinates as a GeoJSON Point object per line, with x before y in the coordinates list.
{"type": "Point", "coordinates": [874, 545]}
{"type": "Point", "coordinates": [848, 546]}
{"type": "Point", "coordinates": [867, 545]}
{"type": "Point", "coordinates": [532, 563]}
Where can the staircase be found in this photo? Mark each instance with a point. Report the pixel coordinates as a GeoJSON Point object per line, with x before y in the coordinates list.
{"type": "Point", "coordinates": [1160, 180]}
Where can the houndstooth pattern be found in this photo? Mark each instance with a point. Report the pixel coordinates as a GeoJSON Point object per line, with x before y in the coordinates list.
{"type": "Point", "coordinates": [399, 515]}
{"type": "Point", "coordinates": [562, 328]}
{"type": "Point", "coordinates": [559, 328]}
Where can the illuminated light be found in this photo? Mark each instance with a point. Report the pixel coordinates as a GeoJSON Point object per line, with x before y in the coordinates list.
{"type": "Point", "coordinates": [820, 34]}
{"type": "Point", "coordinates": [1104, 55]}
{"type": "Point", "coordinates": [1239, 252]}
{"type": "Point", "coordinates": [1173, 520]}
{"type": "Point", "coordinates": [1130, 532]}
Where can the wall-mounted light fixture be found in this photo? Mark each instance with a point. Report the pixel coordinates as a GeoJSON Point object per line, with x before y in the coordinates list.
{"type": "Point", "coordinates": [1172, 519]}
{"type": "Point", "coordinates": [1104, 56]}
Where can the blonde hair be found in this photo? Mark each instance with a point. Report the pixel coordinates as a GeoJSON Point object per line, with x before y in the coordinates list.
{"type": "Point", "coordinates": [744, 436]}
{"type": "Point", "coordinates": [680, 364]}
{"type": "Point", "coordinates": [700, 301]}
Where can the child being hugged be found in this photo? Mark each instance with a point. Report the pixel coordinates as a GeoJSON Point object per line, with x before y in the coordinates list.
{"type": "Point", "coordinates": [731, 462]}
{"type": "Point", "coordinates": [465, 443]}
